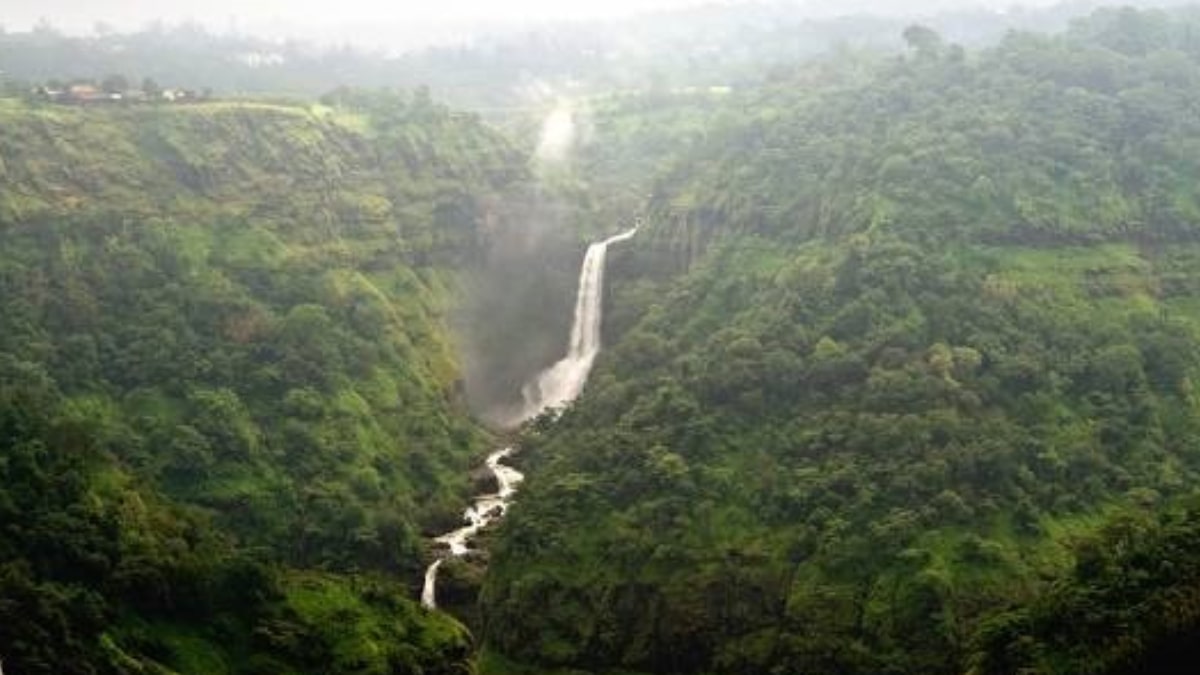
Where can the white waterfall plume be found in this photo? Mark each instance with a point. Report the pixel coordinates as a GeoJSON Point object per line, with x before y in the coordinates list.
{"type": "Point", "coordinates": [562, 382]}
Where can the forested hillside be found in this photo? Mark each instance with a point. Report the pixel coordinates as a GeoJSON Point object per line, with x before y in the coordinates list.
{"type": "Point", "coordinates": [228, 400]}
{"type": "Point", "coordinates": [904, 382]}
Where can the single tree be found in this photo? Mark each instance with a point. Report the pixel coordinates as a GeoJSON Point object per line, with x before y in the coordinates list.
{"type": "Point", "coordinates": [115, 84]}
{"type": "Point", "coordinates": [923, 39]}
{"type": "Point", "coordinates": [150, 88]}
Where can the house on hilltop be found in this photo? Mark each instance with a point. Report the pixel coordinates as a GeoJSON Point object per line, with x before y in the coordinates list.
{"type": "Point", "coordinates": [87, 93]}
{"type": "Point", "coordinates": [177, 95]}
{"type": "Point", "coordinates": [84, 93]}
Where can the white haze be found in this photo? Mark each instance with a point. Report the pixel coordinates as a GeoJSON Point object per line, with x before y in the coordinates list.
{"type": "Point", "coordinates": [404, 24]}
{"type": "Point", "coordinates": [558, 135]}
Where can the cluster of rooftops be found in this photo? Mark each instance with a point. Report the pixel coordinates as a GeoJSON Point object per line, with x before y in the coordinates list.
{"type": "Point", "coordinates": [90, 93]}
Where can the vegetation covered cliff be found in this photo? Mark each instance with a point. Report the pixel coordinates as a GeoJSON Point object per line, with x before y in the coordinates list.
{"type": "Point", "coordinates": [228, 399]}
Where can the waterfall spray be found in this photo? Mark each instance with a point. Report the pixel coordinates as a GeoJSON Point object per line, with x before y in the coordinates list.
{"type": "Point", "coordinates": [558, 135]}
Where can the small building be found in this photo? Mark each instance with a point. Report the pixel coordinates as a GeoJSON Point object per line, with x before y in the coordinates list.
{"type": "Point", "coordinates": [85, 93]}
{"type": "Point", "coordinates": [49, 93]}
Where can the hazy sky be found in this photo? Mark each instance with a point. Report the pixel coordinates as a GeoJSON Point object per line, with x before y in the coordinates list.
{"type": "Point", "coordinates": [16, 12]}
{"type": "Point", "coordinates": [80, 14]}
{"type": "Point", "coordinates": [397, 24]}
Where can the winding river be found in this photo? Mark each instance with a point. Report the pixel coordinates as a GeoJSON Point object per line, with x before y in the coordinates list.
{"type": "Point", "coordinates": [553, 388]}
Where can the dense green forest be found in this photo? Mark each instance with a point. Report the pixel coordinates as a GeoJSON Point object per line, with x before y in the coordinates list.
{"type": "Point", "coordinates": [901, 380]}
{"type": "Point", "coordinates": [899, 370]}
{"type": "Point", "coordinates": [229, 401]}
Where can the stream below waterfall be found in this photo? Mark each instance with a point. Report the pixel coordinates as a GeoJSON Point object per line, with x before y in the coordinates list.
{"type": "Point", "coordinates": [553, 388]}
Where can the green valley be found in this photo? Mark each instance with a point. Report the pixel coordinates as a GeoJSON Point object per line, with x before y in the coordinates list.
{"type": "Point", "coordinates": [900, 330]}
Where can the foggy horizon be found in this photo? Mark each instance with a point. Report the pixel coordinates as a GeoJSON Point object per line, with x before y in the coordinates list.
{"type": "Point", "coordinates": [373, 23]}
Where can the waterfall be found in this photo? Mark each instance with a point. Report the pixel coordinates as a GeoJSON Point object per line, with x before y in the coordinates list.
{"type": "Point", "coordinates": [561, 383]}
{"type": "Point", "coordinates": [554, 387]}
{"type": "Point", "coordinates": [429, 590]}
